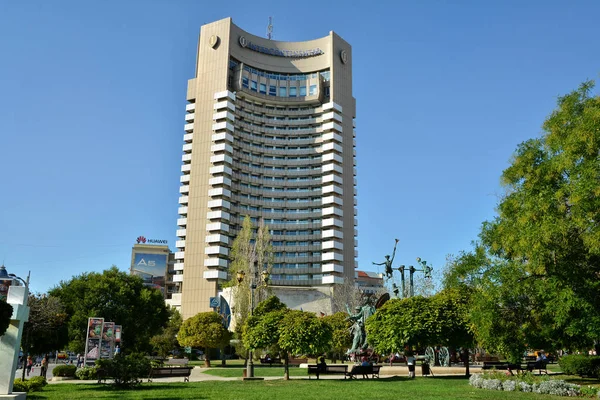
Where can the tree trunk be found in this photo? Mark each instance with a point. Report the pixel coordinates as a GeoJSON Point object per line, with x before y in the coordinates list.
{"type": "Point", "coordinates": [223, 362]}
{"type": "Point", "coordinates": [466, 358]}
{"type": "Point", "coordinates": [24, 363]}
{"type": "Point", "coordinates": [286, 374]}
{"type": "Point", "coordinates": [206, 358]}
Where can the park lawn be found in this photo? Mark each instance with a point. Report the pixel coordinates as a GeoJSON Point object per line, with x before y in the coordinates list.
{"type": "Point", "coordinates": [298, 389]}
{"type": "Point", "coordinates": [258, 371]}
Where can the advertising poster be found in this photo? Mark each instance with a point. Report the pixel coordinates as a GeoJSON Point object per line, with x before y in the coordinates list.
{"type": "Point", "coordinates": [118, 334]}
{"type": "Point", "coordinates": [93, 339]}
{"type": "Point", "coordinates": [151, 268]}
{"type": "Point", "coordinates": [108, 338]}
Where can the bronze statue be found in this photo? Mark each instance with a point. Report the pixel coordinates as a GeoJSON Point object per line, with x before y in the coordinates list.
{"type": "Point", "coordinates": [359, 341]}
{"type": "Point", "coordinates": [388, 263]}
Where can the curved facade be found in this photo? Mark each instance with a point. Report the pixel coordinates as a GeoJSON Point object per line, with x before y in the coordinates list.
{"type": "Point", "coordinates": [269, 133]}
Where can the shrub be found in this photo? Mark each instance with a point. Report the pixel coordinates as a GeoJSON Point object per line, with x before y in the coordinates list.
{"type": "Point", "coordinates": [126, 371]}
{"type": "Point", "coordinates": [64, 370]}
{"type": "Point", "coordinates": [541, 385]}
{"type": "Point", "coordinates": [87, 373]}
{"type": "Point", "coordinates": [580, 364]}
{"type": "Point", "coordinates": [36, 383]}
{"type": "Point", "coordinates": [20, 386]}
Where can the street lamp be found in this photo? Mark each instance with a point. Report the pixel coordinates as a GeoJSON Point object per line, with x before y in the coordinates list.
{"type": "Point", "coordinates": [255, 279]}
{"type": "Point", "coordinates": [10, 342]}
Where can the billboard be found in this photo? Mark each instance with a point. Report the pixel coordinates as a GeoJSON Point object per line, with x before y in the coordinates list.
{"type": "Point", "coordinates": [151, 268]}
{"type": "Point", "coordinates": [93, 339]}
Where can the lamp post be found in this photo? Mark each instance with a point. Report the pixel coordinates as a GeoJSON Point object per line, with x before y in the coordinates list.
{"type": "Point", "coordinates": [255, 279]}
{"type": "Point", "coordinates": [10, 342]}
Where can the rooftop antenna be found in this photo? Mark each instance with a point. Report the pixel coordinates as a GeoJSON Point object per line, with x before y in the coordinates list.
{"type": "Point", "coordinates": [270, 29]}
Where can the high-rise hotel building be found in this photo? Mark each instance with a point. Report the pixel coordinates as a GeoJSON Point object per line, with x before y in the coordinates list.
{"type": "Point", "coordinates": [269, 133]}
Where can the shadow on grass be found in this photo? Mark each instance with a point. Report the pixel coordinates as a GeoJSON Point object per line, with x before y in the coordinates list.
{"type": "Point", "coordinates": [110, 391]}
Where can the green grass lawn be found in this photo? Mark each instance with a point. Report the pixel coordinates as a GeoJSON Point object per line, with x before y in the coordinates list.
{"type": "Point", "coordinates": [385, 388]}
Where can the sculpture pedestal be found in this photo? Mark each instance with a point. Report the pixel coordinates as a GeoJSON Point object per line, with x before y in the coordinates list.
{"type": "Point", "coordinates": [14, 396]}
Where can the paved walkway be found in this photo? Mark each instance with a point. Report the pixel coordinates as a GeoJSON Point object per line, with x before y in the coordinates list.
{"type": "Point", "coordinates": [198, 374]}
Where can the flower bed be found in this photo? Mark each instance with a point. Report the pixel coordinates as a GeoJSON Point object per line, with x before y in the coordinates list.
{"type": "Point", "coordinates": [526, 383]}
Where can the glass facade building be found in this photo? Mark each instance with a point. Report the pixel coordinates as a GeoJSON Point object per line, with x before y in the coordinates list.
{"type": "Point", "coordinates": [269, 133]}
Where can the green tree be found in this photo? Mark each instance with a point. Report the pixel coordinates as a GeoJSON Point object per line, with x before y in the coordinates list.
{"type": "Point", "coordinates": [118, 297]}
{"type": "Point", "coordinates": [46, 329]}
{"type": "Point", "coordinates": [6, 311]}
{"type": "Point", "coordinates": [303, 333]}
{"type": "Point", "coordinates": [341, 339]}
{"type": "Point", "coordinates": [272, 303]}
{"type": "Point", "coordinates": [261, 329]}
{"type": "Point", "coordinates": [166, 341]}
{"type": "Point", "coordinates": [249, 251]}
{"type": "Point", "coordinates": [204, 330]}
{"type": "Point", "coordinates": [539, 259]}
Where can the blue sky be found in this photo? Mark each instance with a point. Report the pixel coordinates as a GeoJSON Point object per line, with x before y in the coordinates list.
{"type": "Point", "coordinates": [92, 103]}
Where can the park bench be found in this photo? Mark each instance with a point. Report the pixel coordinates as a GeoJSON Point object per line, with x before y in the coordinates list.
{"type": "Point", "coordinates": [499, 365]}
{"type": "Point", "coordinates": [365, 371]}
{"type": "Point", "coordinates": [317, 370]}
{"type": "Point", "coordinates": [177, 361]}
{"type": "Point", "coordinates": [539, 365]}
{"type": "Point", "coordinates": [271, 361]}
{"type": "Point", "coordinates": [170, 372]}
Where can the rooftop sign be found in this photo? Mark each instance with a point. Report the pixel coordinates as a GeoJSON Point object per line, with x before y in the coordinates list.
{"type": "Point", "coordinates": [278, 52]}
{"type": "Point", "coordinates": [143, 240]}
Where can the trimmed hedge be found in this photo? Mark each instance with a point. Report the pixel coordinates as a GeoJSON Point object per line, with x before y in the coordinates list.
{"type": "Point", "coordinates": [580, 364]}
{"type": "Point", "coordinates": [35, 384]}
{"type": "Point", "coordinates": [87, 373]}
{"type": "Point", "coordinates": [64, 370]}
{"type": "Point", "coordinates": [126, 371]}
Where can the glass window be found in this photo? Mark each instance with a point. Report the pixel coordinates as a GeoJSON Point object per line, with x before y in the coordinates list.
{"type": "Point", "coordinates": [293, 91]}
{"type": "Point", "coordinates": [302, 90]}
{"type": "Point", "coordinates": [282, 92]}
{"type": "Point", "coordinates": [272, 92]}
{"type": "Point", "coordinates": [263, 88]}
{"type": "Point", "coordinates": [253, 85]}
{"type": "Point", "coordinates": [245, 82]}
{"type": "Point", "coordinates": [312, 90]}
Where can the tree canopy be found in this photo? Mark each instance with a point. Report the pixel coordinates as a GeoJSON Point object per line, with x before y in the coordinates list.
{"type": "Point", "coordinates": [537, 264]}
{"type": "Point", "coordinates": [115, 296]}
{"type": "Point", "coordinates": [166, 341]}
{"type": "Point", "coordinates": [341, 339]}
{"type": "Point", "coordinates": [6, 311]}
{"type": "Point", "coordinates": [204, 330]}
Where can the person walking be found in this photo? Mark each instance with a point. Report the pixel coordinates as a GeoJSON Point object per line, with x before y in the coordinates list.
{"type": "Point", "coordinates": [411, 361]}
{"type": "Point", "coordinates": [29, 365]}
{"type": "Point", "coordinates": [44, 368]}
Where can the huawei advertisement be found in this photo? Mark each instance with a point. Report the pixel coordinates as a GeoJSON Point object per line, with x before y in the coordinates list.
{"type": "Point", "coordinates": [151, 268]}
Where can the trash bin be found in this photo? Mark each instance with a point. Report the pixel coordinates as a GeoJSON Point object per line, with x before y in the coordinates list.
{"type": "Point", "coordinates": [425, 370]}
{"type": "Point", "coordinates": [244, 373]}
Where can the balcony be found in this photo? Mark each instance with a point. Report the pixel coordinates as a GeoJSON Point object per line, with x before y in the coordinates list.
{"type": "Point", "coordinates": [189, 117]}
{"type": "Point", "coordinates": [215, 274]}
{"type": "Point", "coordinates": [180, 233]}
{"type": "Point", "coordinates": [183, 200]}
{"type": "Point", "coordinates": [220, 203]}
{"type": "Point", "coordinates": [215, 262]}
{"type": "Point", "coordinates": [178, 278]}
{"type": "Point", "coordinates": [182, 210]}
{"type": "Point", "coordinates": [332, 211]}
{"type": "Point", "coordinates": [187, 148]}
{"type": "Point", "coordinates": [186, 158]}
{"type": "Point", "coordinates": [184, 189]}
{"type": "Point", "coordinates": [178, 266]}
{"type": "Point", "coordinates": [331, 279]}
{"type": "Point", "coordinates": [180, 244]}
{"type": "Point", "coordinates": [226, 136]}
{"type": "Point", "coordinates": [182, 222]}
{"type": "Point", "coordinates": [216, 250]}
{"type": "Point", "coordinates": [186, 168]}
{"type": "Point", "coordinates": [184, 178]}
{"type": "Point", "coordinates": [188, 137]}
{"type": "Point", "coordinates": [332, 244]}
{"type": "Point", "coordinates": [332, 268]}
{"type": "Point", "coordinates": [179, 255]}
{"type": "Point", "coordinates": [189, 128]}
{"type": "Point", "coordinates": [216, 227]}
{"type": "Point", "coordinates": [332, 233]}
{"type": "Point", "coordinates": [190, 107]}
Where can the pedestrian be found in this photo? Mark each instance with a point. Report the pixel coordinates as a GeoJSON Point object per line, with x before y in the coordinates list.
{"type": "Point", "coordinates": [79, 360]}
{"type": "Point", "coordinates": [44, 369]}
{"type": "Point", "coordinates": [117, 350]}
{"type": "Point", "coordinates": [29, 365]}
{"type": "Point", "coordinates": [410, 361]}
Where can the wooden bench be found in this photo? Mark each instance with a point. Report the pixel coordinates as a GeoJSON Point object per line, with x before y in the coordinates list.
{"type": "Point", "coordinates": [501, 366]}
{"type": "Point", "coordinates": [341, 369]}
{"type": "Point", "coordinates": [365, 371]}
{"type": "Point", "coordinates": [171, 372]}
{"type": "Point", "coordinates": [540, 365]}
{"type": "Point", "coordinates": [271, 361]}
{"type": "Point", "coordinates": [177, 361]}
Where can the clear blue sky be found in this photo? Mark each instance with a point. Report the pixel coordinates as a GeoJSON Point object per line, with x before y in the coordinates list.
{"type": "Point", "coordinates": [92, 98]}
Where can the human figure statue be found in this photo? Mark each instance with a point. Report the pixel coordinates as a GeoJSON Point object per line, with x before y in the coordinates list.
{"type": "Point", "coordinates": [388, 262]}
{"type": "Point", "coordinates": [359, 341]}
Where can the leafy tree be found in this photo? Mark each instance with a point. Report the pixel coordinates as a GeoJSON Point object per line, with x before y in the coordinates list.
{"type": "Point", "coordinates": [6, 311]}
{"type": "Point", "coordinates": [261, 329]}
{"type": "Point", "coordinates": [46, 329]}
{"type": "Point", "coordinates": [118, 297]}
{"type": "Point", "coordinates": [539, 259]}
{"type": "Point", "coordinates": [341, 338]}
{"type": "Point", "coordinates": [204, 330]}
{"type": "Point", "coordinates": [166, 341]}
{"type": "Point", "coordinates": [303, 333]}
{"type": "Point", "coordinates": [249, 250]}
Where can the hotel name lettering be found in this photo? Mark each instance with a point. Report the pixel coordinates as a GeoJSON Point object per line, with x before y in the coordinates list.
{"type": "Point", "coordinates": [278, 52]}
